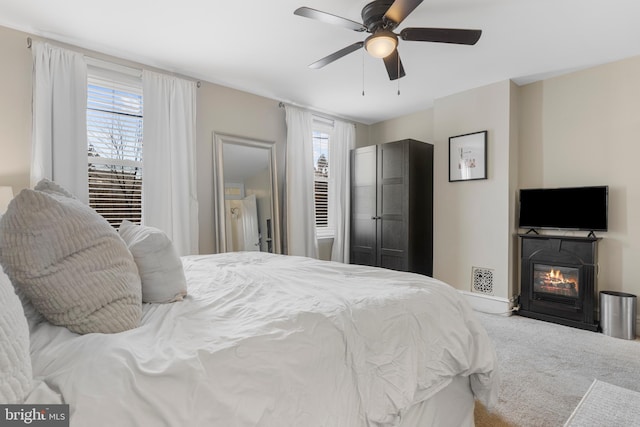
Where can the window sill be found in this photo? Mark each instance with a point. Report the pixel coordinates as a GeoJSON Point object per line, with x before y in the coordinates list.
{"type": "Point", "coordinates": [322, 234]}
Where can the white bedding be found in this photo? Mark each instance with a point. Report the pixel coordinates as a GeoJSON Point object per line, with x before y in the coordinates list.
{"type": "Point", "coordinates": [273, 341]}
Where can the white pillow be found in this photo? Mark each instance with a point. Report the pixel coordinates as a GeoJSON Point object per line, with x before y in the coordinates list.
{"type": "Point", "coordinates": [69, 262]}
{"type": "Point", "coordinates": [15, 362]}
{"type": "Point", "coordinates": [52, 188]}
{"type": "Point", "coordinates": [159, 265]}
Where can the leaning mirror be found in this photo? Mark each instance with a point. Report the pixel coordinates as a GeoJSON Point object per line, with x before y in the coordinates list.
{"type": "Point", "coordinates": [246, 195]}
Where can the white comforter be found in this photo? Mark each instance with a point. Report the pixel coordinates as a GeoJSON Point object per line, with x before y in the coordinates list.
{"type": "Point", "coordinates": [274, 341]}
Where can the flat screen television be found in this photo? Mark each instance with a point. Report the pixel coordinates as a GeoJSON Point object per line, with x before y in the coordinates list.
{"type": "Point", "coordinates": [571, 208]}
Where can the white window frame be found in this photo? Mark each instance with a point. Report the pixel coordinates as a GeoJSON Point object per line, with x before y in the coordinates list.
{"type": "Point", "coordinates": [112, 76]}
{"type": "Point", "coordinates": [325, 126]}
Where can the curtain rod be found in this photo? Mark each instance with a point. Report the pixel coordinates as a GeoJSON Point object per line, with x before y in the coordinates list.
{"type": "Point", "coordinates": [30, 43]}
{"type": "Point", "coordinates": [318, 114]}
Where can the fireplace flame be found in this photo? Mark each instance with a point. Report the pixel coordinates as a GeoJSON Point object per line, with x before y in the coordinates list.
{"type": "Point", "coordinates": [557, 280]}
{"type": "Point", "coordinates": [556, 276]}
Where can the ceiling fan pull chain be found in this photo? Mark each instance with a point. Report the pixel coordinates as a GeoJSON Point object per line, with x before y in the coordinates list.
{"type": "Point", "coordinates": [398, 56]}
{"type": "Point", "coordinates": [362, 72]}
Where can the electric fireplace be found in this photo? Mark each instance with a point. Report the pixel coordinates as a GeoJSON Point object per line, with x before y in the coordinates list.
{"type": "Point", "coordinates": [558, 279]}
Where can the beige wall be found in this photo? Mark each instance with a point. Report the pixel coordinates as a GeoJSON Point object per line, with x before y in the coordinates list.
{"type": "Point", "coordinates": [583, 129]}
{"type": "Point", "coordinates": [578, 129]}
{"type": "Point", "coordinates": [15, 109]}
{"type": "Point", "coordinates": [514, 184]}
{"type": "Point", "coordinates": [471, 218]}
{"type": "Point", "coordinates": [418, 126]}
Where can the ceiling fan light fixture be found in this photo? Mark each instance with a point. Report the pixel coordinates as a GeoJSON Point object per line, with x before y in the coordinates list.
{"type": "Point", "coordinates": [381, 44]}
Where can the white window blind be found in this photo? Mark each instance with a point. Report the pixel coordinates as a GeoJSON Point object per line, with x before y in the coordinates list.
{"type": "Point", "coordinates": [321, 179]}
{"type": "Point", "coordinates": [114, 134]}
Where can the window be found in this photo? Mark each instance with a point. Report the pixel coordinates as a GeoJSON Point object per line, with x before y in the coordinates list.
{"type": "Point", "coordinates": [321, 158]}
{"type": "Point", "coordinates": [114, 135]}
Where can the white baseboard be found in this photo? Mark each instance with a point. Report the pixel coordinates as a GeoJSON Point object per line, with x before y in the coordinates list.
{"type": "Point", "coordinates": [489, 304]}
{"type": "Point", "coordinates": [503, 306]}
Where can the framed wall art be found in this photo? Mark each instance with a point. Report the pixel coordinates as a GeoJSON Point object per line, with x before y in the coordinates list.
{"type": "Point", "coordinates": [468, 156]}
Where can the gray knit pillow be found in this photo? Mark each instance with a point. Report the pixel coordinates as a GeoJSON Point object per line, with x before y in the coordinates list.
{"type": "Point", "coordinates": [69, 262]}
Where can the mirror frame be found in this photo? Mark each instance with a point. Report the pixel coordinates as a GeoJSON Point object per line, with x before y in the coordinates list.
{"type": "Point", "coordinates": [219, 139]}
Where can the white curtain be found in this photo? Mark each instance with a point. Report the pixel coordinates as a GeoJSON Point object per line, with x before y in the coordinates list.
{"type": "Point", "coordinates": [169, 170]}
{"type": "Point", "coordinates": [300, 203]}
{"type": "Point", "coordinates": [344, 135]}
{"type": "Point", "coordinates": [59, 138]}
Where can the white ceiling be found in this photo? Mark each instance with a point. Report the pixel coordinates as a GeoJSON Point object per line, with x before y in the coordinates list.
{"type": "Point", "coordinates": [261, 47]}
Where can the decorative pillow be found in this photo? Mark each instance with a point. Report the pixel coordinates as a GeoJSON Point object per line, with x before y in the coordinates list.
{"type": "Point", "coordinates": [15, 362]}
{"type": "Point", "coordinates": [158, 263]}
{"type": "Point", "coordinates": [69, 262]}
{"type": "Point", "coordinates": [52, 188]}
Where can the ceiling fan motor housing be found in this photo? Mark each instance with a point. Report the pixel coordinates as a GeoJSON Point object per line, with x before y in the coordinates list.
{"type": "Point", "coordinates": [373, 13]}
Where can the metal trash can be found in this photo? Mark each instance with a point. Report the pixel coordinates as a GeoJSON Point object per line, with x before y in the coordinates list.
{"type": "Point", "coordinates": [618, 314]}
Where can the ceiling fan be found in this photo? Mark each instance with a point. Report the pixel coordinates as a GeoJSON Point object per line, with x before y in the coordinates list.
{"type": "Point", "coordinates": [380, 18]}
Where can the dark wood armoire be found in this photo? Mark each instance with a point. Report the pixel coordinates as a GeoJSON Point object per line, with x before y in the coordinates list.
{"type": "Point", "coordinates": [392, 206]}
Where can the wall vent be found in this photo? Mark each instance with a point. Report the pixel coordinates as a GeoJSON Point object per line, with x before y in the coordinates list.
{"type": "Point", "coordinates": [482, 280]}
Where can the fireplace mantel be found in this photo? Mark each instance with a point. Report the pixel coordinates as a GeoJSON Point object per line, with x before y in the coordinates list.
{"type": "Point", "coordinates": [570, 301]}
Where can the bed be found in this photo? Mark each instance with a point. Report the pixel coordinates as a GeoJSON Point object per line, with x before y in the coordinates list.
{"type": "Point", "coordinates": [259, 339]}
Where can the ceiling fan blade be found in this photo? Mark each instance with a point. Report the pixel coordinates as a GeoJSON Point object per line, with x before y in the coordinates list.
{"type": "Point", "coordinates": [400, 9]}
{"type": "Point", "coordinates": [336, 55]}
{"type": "Point", "coordinates": [393, 64]}
{"type": "Point", "coordinates": [441, 35]}
{"type": "Point", "coordinates": [307, 12]}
